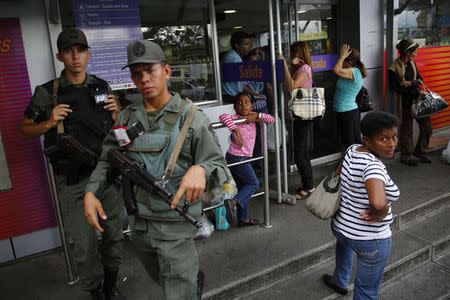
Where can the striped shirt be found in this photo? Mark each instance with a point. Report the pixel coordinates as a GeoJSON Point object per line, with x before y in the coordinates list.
{"type": "Point", "coordinates": [248, 133]}
{"type": "Point", "coordinates": [357, 168]}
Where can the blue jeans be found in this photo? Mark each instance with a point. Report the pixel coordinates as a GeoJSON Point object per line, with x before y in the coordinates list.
{"type": "Point", "coordinates": [246, 182]}
{"type": "Point", "coordinates": [372, 256]}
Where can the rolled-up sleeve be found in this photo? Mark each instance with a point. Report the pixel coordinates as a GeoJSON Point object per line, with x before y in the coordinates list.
{"type": "Point", "coordinates": [207, 153]}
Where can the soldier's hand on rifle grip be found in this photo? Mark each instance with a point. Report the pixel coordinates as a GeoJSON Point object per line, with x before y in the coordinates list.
{"type": "Point", "coordinates": [93, 208]}
{"type": "Point", "coordinates": [192, 185]}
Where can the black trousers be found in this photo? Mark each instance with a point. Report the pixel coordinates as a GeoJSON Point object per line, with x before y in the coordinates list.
{"type": "Point", "coordinates": [348, 126]}
{"type": "Point", "coordinates": [301, 132]}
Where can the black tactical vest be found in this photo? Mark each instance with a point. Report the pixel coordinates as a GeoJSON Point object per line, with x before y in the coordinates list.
{"type": "Point", "coordinates": [88, 122]}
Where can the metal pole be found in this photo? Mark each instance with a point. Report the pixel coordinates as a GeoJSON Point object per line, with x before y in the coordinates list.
{"type": "Point", "coordinates": [391, 40]}
{"type": "Point", "coordinates": [275, 101]}
{"type": "Point", "coordinates": [289, 8]}
{"type": "Point", "coordinates": [266, 176]}
{"type": "Point", "coordinates": [59, 219]}
{"type": "Point", "coordinates": [297, 29]}
{"type": "Point", "coordinates": [283, 119]}
{"type": "Point", "coordinates": [215, 49]}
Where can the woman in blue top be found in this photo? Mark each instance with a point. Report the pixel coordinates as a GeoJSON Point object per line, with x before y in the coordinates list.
{"type": "Point", "coordinates": [350, 71]}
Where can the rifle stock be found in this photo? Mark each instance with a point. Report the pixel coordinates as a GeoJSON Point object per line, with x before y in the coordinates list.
{"type": "Point", "coordinates": [73, 150]}
{"type": "Point", "coordinates": [135, 171]}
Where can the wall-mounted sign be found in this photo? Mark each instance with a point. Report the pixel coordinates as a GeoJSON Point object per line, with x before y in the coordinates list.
{"type": "Point", "coordinates": [5, 180]}
{"type": "Point", "coordinates": [26, 206]}
{"type": "Point", "coordinates": [109, 27]}
{"type": "Point", "coordinates": [323, 62]}
{"type": "Point", "coordinates": [262, 70]}
{"type": "Point", "coordinates": [251, 71]}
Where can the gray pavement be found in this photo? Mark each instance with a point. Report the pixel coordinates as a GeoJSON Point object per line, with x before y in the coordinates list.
{"type": "Point", "coordinates": [240, 259]}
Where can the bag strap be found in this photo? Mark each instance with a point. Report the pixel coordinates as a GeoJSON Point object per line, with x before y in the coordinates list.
{"type": "Point", "coordinates": [337, 170]}
{"type": "Point", "coordinates": [423, 84]}
{"type": "Point", "coordinates": [180, 140]}
{"type": "Point", "coordinates": [60, 124]}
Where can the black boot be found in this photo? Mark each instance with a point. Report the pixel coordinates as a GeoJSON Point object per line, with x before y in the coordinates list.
{"type": "Point", "coordinates": [200, 284]}
{"type": "Point", "coordinates": [109, 286]}
{"type": "Point", "coordinates": [97, 294]}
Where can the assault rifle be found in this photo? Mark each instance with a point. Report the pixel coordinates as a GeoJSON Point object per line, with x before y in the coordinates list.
{"type": "Point", "coordinates": [71, 148]}
{"type": "Point", "coordinates": [136, 173]}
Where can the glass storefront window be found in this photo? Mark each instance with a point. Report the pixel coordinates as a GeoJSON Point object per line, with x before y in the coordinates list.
{"type": "Point", "coordinates": [182, 29]}
{"type": "Point", "coordinates": [427, 22]}
{"type": "Point", "coordinates": [317, 25]}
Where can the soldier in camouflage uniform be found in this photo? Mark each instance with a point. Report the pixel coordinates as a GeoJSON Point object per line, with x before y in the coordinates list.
{"type": "Point", "coordinates": [88, 122]}
{"type": "Point", "coordinates": [163, 240]}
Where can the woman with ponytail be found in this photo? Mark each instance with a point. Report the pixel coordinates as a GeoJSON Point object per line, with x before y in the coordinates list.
{"type": "Point", "coordinates": [350, 71]}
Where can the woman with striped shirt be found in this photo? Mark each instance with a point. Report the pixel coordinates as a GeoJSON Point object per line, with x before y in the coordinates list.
{"type": "Point", "coordinates": [361, 224]}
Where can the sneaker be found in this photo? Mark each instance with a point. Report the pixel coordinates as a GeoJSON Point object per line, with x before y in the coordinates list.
{"type": "Point", "coordinates": [328, 280]}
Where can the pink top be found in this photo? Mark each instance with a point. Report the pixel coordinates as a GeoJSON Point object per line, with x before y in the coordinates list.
{"type": "Point", "coordinates": [306, 69]}
{"type": "Point", "coordinates": [248, 133]}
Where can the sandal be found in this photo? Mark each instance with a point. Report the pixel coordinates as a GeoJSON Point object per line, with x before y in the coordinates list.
{"type": "Point", "coordinates": [231, 207]}
{"type": "Point", "coordinates": [303, 194]}
{"type": "Point", "coordinates": [250, 222]}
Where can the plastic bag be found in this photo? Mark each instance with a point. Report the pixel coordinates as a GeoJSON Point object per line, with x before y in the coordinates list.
{"type": "Point", "coordinates": [206, 230]}
{"type": "Point", "coordinates": [221, 219]}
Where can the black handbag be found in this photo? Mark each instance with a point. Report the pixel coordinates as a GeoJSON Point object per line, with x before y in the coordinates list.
{"type": "Point", "coordinates": [364, 101]}
{"type": "Point", "coordinates": [427, 104]}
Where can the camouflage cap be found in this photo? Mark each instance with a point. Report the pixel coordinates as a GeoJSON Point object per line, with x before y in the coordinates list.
{"type": "Point", "coordinates": [69, 37]}
{"type": "Point", "coordinates": [144, 52]}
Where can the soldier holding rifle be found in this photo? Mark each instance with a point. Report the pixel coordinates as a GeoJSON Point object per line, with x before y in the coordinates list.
{"type": "Point", "coordinates": [74, 113]}
{"type": "Point", "coordinates": [148, 132]}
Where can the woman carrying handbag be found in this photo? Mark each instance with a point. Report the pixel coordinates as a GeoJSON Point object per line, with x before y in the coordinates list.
{"type": "Point", "coordinates": [300, 76]}
{"type": "Point", "coordinates": [404, 79]}
{"type": "Point", "coordinates": [361, 224]}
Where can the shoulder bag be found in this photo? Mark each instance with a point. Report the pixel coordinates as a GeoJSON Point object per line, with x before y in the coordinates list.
{"type": "Point", "coordinates": [326, 198]}
{"type": "Point", "coordinates": [307, 103]}
{"type": "Point", "coordinates": [427, 104]}
{"type": "Point", "coordinates": [364, 101]}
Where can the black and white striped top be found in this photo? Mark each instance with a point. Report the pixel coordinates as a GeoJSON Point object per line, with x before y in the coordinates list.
{"type": "Point", "coordinates": [358, 167]}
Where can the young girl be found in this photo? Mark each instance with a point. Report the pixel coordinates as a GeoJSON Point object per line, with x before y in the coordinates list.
{"type": "Point", "coordinates": [241, 148]}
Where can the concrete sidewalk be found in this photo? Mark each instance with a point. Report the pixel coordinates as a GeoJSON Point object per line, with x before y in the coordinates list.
{"type": "Point", "coordinates": [240, 258]}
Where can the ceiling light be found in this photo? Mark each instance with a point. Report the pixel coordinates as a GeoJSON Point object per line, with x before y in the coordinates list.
{"type": "Point", "coordinates": [301, 11]}
{"type": "Point", "coordinates": [329, 18]}
{"type": "Point", "coordinates": [230, 11]}
{"type": "Point", "coordinates": [237, 27]}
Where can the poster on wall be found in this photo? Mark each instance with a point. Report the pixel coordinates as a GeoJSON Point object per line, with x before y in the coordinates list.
{"type": "Point", "coordinates": [26, 206]}
{"type": "Point", "coordinates": [5, 180]}
{"type": "Point", "coordinates": [109, 27]}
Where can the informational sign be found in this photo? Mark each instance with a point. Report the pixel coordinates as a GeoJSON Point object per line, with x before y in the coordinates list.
{"type": "Point", "coordinates": [323, 62]}
{"type": "Point", "coordinates": [262, 70]}
{"type": "Point", "coordinates": [5, 180]}
{"type": "Point", "coordinates": [26, 206]}
{"type": "Point", "coordinates": [251, 71]}
{"type": "Point", "coordinates": [308, 36]}
{"type": "Point", "coordinates": [109, 26]}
